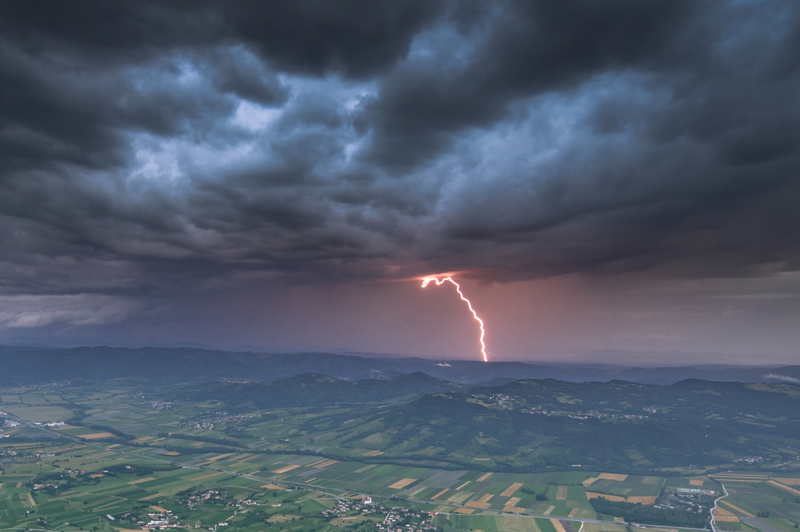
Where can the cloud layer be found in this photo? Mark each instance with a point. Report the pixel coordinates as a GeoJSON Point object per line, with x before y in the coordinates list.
{"type": "Point", "coordinates": [147, 148]}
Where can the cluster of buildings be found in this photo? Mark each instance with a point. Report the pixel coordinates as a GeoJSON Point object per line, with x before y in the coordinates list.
{"type": "Point", "coordinates": [207, 425]}
{"type": "Point", "coordinates": [193, 500]}
{"type": "Point", "coordinates": [160, 521]}
{"type": "Point", "coordinates": [751, 459]}
{"type": "Point", "coordinates": [408, 520]}
{"type": "Point", "coordinates": [342, 507]}
{"type": "Point", "coordinates": [686, 499]}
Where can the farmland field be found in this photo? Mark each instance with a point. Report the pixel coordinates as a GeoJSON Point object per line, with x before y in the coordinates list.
{"type": "Point", "coordinates": [127, 455]}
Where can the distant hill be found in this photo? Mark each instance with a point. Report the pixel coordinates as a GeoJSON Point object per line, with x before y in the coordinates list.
{"type": "Point", "coordinates": [541, 424]}
{"type": "Point", "coordinates": [313, 389]}
{"type": "Point", "coordinates": [28, 365]}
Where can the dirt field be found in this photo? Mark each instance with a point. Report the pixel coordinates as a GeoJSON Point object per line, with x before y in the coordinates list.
{"type": "Point", "coordinates": [643, 500]}
{"type": "Point", "coordinates": [511, 489]}
{"type": "Point", "coordinates": [612, 476]}
{"type": "Point", "coordinates": [400, 484]}
{"type": "Point", "coordinates": [789, 481]}
{"type": "Point", "coordinates": [285, 469]}
{"type": "Point", "coordinates": [96, 436]}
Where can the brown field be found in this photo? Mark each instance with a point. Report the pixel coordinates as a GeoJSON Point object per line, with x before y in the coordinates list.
{"type": "Point", "coordinates": [271, 487]}
{"type": "Point", "coordinates": [478, 504]}
{"type": "Point", "coordinates": [400, 484]}
{"type": "Point", "coordinates": [739, 478]}
{"type": "Point", "coordinates": [159, 509]}
{"type": "Point", "coordinates": [462, 485]}
{"type": "Point", "coordinates": [719, 512]}
{"type": "Point", "coordinates": [464, 510]}
{"type": "Point", "coordinates": [141, 480]}
{"type": "Point", "coordinates": [439, 494]}
{"type": "Point", "coordinates": [557, 525]}
{"type": "Point", "coordinates": [326, 463]}
{"type": "Point", "coordinates": [695, 482]}
{"type": "Point", "coordinates": [207, 476]}
{"type": "Point", "coordinates": [484, 477]}
{"type": "Point", "coordinates": [486, 498]}
{"type": "Point", "coordinates": [512, 501]}
{"type": "Point", "coordinates": [589, 481]}
{"type": "Point", "coordinates": [573, 512]}
{"type": "Point", "coordinates": [612, 476]}
{"type": "Point", "coordinates": [198, 444]}
{"type": "Point", "coordinates": [736, 508]}
{"type": "Point", "coordinates": [172, 453]}
{"type": "Point", "coordinates": [612, 498]}
{"type": "Point", "coordinates": [30, 498]}
{"type": "Point", "coordinates": [783, 487]}
{"type": "Point", "coordinates": [482, 458]}
{"type": "Point", "coordinates": [643, 500]}
{"type": "Point", "coordinates": [549, 509]}
{"type": "Point", "coordinates": [515, 509]}
{"type": "Point", "coordinates": [285, 469]}
{"type": "Point", "coordinates": [95, 475]}
{"type": "Point", "coordinates": [96, 436]}
{"type": "Point", "coordinates": [789, 481]}
{"type": "Point", "coordinates": [562, 493]}
{"type": "Point", "coordinates": [511, 489]}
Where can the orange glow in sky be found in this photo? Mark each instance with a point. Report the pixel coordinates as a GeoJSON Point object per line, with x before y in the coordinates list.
{"type": "Point", "coordinates": [427, 280]}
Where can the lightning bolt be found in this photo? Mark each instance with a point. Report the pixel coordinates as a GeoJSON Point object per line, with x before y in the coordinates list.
{"type": "Point", "coordinates": [438, 282]}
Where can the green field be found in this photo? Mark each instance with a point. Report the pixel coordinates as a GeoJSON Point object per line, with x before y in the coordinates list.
{"type": "Point", "coordinates": [129, 451]}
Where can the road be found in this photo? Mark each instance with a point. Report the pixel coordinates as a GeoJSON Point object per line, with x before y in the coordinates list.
{"type": "Point", "coordinates": [716, 502]}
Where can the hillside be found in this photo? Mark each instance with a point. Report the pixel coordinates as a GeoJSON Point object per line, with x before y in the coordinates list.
{"type": "Point", "coordinates": [311, 390]}
{"type": "Point", "coordinates": [617, 425]}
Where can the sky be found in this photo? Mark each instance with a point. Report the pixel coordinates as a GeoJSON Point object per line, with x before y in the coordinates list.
{"type": "Point", "coordinates": [601, 177]}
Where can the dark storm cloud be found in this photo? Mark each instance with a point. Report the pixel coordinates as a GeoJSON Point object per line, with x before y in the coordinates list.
{"type": "Point", "coordinates": [148, 146]}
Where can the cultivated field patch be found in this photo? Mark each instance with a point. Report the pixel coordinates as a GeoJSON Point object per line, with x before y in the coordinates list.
{"type": "Point", "coordinates": [612, 476]}
{"type": "Point", "coordinates": [511, 489]}
{"type": "Point", "coordinates": [400, 484]}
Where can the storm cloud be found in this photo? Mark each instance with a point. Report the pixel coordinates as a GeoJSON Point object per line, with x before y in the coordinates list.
{"type": "Point", "coordinates": [147, 148]}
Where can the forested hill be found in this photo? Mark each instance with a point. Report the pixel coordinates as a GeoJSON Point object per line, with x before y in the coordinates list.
{"type": "Point", "coordinates": [616, 425]}
{"type": "Point", "coordinates": [312, 389]}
